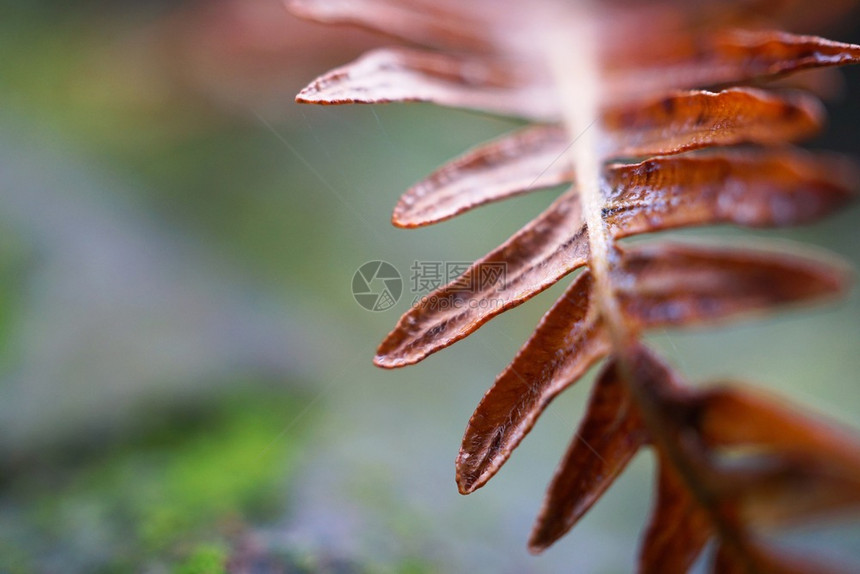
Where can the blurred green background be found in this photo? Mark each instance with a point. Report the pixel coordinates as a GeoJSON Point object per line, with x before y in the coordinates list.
{"type": "Point", "coordinates": [185, 379]}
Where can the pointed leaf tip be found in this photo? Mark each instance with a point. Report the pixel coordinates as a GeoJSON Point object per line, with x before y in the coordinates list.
{"type": "Point", "coordinates": [608, 437]}
{"type": "Point", "coordinates": [568, 341]}
{"type": "Point", "coordinates": [517, 163]}
{"type": "Point", "coordinates": [537, 256]}
{"type": "Point", "coordinates": [611, 433]}
{"type": "Point", "coordinates": [665, 286]}
{"type": "Point", "coordinates": [387, 75]}
{"type": "Point", "coordinates": [678, 529]}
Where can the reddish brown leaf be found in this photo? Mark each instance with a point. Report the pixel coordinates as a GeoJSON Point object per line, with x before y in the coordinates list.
{"type": "Point", "coordinates": [443, 24]}
{"type": "Point", "coordinates": [665, 286]}
{"type": "Point", "coordinates": [730, 57]}
{"type": "Point", "coordinates": [674, 285]}
{"type": "Point", "coordinates": [756, 189]}
{"type": "Point", "coordinates": [768, 561]}
{"type": "Point", "coordinates": [789, 467]}
{"type": "Point", "coordinates": [569, 339]}
{"type": "Point", "coordinates": [730, 417]}
{"type": "Point", "coordinates": [534, 158]}
{"type": "Point", "coordinates": [506, 87]}
{"type": "Point", "coordinates": [771, 53]}
{"type": "Point", "coordinates": [678, 529]}
{"type": "Point", "coordinates": [479, 26]}
{"type": "Point", "coordinates": [793, 468]}
{"type": "Point", "coordinates": [609, 435]}
{"type": "Point", "coordinates": [787, 490]}
{"type": "Point", "coordinates": [793, 13]}
{"type": "Point", "coordinates": [401, 75]}
{"type": "Point", "coordinates": [548, 248]}
{"type": "Point", "coordinates": [752, 188]}
{"type": "Point", "coordinates": [680, 35]}
{"type": "Point", "coordinates": [692, 120]}
{"type": "Point", "coordinates": [517, 163]}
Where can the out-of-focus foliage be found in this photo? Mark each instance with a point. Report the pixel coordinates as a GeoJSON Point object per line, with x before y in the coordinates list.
{"type": "Point", "coordinates": [188, 479]}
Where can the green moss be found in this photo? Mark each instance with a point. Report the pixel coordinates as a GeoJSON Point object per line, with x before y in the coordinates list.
{"type": "Point", "coordinates": [226, 473]}
{"type": "Point", "coordinates": [173, 495]}
{"type": "Point", "coordinates": [206, 559]}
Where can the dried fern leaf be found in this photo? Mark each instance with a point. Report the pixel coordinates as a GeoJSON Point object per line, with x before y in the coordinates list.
{"type": "Point", "coordinates": [794, 13]}
{"type": "Point", "coordinates": [731, 417]}
{"type": "Point", "coordinates": [404, 75]}
{"type": "Point", "coordinates": [756, 189]}
{"type": "Point", "coordinates": [476, 26]}
{"type": "Point", "coordinates": [569, 340]}
{"type": "Point", "coordinates": [440, 24]}
{"type": "Point", "coordinates": [628, 77]}
{"type": "Point", "coordinates": [779, 491]}
{"type": "Point", "coordinates": [517, 163]}
{"type": "Point", "coordinates": [678, 529]}
{"type": "Point", "coordinates": [691, 120]}
{"type": "Point", "coordinates": [759, 558]}
{"type": "Point", "coordinates": [548, 248]}
{"type": "Point", "coordinates": [731, 57]}
{"type": "Point", "coordinates": [668, 286]}
{"type": "Point", "coordinates": [609, 436]}
{"type": "Point", "coordinates": [532, 158]}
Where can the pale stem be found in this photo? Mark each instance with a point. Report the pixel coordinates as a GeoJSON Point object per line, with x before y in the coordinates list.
{"type": "Point", "coordinates": [574, 64]}
{"type": "Point", "coordinates": [571, 48]}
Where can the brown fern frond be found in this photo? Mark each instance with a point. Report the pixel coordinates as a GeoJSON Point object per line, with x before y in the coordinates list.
{"type": "Point", "coordinates": [665, 286]}
{"type": "Point", "coordinates": [755, 188]}
{"type": "Point", "coordinates": [527, 160]}
{"type": "Point", "coordinates": [681, 122]}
